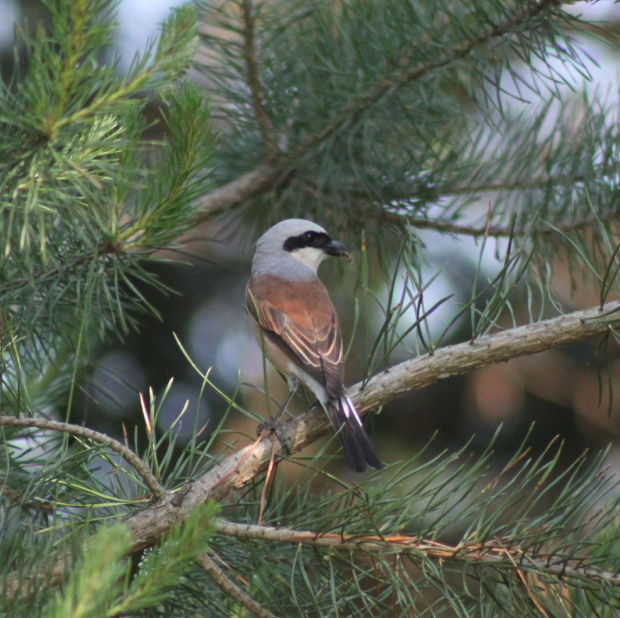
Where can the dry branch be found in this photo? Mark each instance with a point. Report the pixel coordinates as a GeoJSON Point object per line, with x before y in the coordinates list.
{"type": "Point", "coordinates": [494, 552]}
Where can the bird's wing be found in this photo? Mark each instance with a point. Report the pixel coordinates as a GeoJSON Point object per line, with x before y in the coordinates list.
{"type": "Point", "coordinates": [303, 323]}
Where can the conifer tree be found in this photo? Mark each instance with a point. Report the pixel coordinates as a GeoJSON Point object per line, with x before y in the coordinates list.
{"type": "Point", "coordinates": [381, 118]}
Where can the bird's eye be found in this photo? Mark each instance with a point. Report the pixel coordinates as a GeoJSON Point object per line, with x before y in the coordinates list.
{"type": "Point", "coordinates": [317, 240]}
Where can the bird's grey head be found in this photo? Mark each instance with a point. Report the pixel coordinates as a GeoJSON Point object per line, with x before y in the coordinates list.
{"type": "Point", "coordinates": [304, 241]}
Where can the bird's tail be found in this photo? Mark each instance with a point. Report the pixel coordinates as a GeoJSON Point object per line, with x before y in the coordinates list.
{"type": "Point", "coordinates": [357, 447]}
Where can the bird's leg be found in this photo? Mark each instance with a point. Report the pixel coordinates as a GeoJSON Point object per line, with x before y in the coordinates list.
{"type": "Point", "coordinates": [274, 425]}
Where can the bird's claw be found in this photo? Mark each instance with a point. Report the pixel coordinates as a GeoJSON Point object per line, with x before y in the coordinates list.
{"type": "Point", "coordinates": [275, 427]}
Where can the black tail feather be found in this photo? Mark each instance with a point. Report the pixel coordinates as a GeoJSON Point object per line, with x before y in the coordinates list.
{"type": "Point", "coordinates": [356, 444]}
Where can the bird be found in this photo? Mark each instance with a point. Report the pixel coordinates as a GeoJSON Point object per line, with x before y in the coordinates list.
{"type": "Point", "coordinates": [296, 325]}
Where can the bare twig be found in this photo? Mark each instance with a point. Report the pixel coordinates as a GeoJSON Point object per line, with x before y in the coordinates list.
{"type": "Point", "coordinates": [231, 589]}
{"type": "Point", "coordinates": [89, 434]}
{"type": "Point", "coordinates": [488, 553]}
{"type": "Point", "coordinates": [250, 185]}
{"type": "Point", "coordinates": [268, 478]}
{"type": "Point", "coordinates": [251, 63]}
{"type": "Point", "coordinates": [496, 231]}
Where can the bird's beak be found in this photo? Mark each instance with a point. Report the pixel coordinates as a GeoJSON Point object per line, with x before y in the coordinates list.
{"type": "Point", "coordinates": [337, 249]}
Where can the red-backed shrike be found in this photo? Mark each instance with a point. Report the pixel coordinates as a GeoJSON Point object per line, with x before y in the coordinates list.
{"type": "Point", "coordinates": [296, 325]}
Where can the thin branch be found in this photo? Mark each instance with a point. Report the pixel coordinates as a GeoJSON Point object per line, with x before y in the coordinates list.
{"type": "Point", "coordinates": [496, 231]}
{"type": "Point", "coordinates": [389, 213]}
{"type": "Point", "coordinates": [43, 276]}
{"type": "Point", "coordinates": [89, 434]}
{"type": "Point", "coordinates": [251, 63]}
{"type": "Point", "coordinates": [250, 185]}
{"type": "Point", "coordinates": [46, 507]}
{"type": "Point", "coordinates": [538, 182]}
{"type": "Point", "coordinates": [453, 190]}
{"type": "Point", "coordinates": [231, 589]}
{"type": "Point", "coordinates": [494, 553]}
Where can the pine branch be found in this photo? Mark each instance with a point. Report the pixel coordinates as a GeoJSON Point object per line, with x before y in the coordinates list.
{"type": "Point", "coordinates": [262, 178]}
{"type": "Point", "coordinates": [538, 182]}
{"type": "Point", "coordinates": [231, 589]}
{"type": "Point", "coordinates": [351, 114]}
{"type": "Point", "coordinates": [90, 434]}
{"type": "Point", "coordinates": [398, 214]}
{"type": "Point", "coordinates": [147, 526]}
{"type": "Point", "coordinates": [242, 467]}
{"type": "Point", "coordinates": [251, 62]}
{"type": "Point", "coordinates": [75, 262]}
{"type": "Point", "coordinates": [488, 350]}
{"type": "Point", "coordinates": [494, 231]}
{"type": "Point", "coordinates": [247, 187]}
{"type": "Point", "coordinates": [498, 552]}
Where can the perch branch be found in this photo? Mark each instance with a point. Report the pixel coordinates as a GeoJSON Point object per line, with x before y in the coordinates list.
{"type": "Point", "coordinates": [237, 470]}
